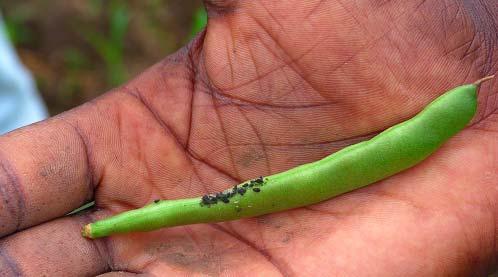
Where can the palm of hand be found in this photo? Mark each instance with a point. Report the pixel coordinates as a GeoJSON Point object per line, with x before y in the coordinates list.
{"type": "Point", "coordinates": [251, 97]}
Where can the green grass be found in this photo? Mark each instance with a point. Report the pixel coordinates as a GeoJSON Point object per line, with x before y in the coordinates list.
{"type": "Point", "coordinates": [85, 207]}
{"type": "Point", "coordinates": [110, 45]}
{"type": "Point", "coordinates": [17, 31]}
{"type": "Point", "coordinates": [199, 21]}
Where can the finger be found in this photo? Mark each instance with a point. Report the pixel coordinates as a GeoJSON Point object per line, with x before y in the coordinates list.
{"type": "Point", "coordinates": [51, 168]}
{"type": "Point", "coordinates": [55, 248]}
{"type": "Point", "coordinates": [44, 173]}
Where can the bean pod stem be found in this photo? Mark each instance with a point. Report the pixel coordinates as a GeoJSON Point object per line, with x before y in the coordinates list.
{"type": "Point", "coordinates": [393, 150]}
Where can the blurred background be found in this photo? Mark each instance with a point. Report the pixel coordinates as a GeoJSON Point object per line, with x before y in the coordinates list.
{"type": "Point", "coordinates": [77, 50]}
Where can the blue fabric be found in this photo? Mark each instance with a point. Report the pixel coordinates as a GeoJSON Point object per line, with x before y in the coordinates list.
{"type": "Point", "coordinates": [20, 103]}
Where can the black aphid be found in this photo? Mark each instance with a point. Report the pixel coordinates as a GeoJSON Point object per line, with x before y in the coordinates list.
{"type": "Point", "coordinates": [157, 200]}
{"type": "Point", "coordinates": [259, 180]}
{"type": "Point", "coordinates": [212, 200]}
{"type": "Point", "coordinates": [245, 185]}
{"type": "Point", "coordinates": [209, 199]}
{"type": "Point", "coordinates": [241, 191]}
{"type": "Point", "coordinates": [256, 189]}
{"type": "Point", "coordinates": [205, 199]}
{"type": "Point", "coordinates": [225, 200]}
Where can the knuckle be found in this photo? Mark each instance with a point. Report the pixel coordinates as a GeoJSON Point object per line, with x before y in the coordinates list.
{"type": "Point", "coordinates": [12, 203]}
{"type": "Point", "coordinates": [8, 267]}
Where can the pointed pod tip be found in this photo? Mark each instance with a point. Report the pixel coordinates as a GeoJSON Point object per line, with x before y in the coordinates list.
{"type": "Point", "coordinates": [482, 80]}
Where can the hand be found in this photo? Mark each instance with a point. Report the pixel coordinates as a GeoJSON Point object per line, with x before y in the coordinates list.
{"type": "Point", "coordinates": [269, 85]}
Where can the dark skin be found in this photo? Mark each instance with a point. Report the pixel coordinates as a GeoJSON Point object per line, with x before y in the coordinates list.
{"type": "Point", "coordinates": [269, 85]}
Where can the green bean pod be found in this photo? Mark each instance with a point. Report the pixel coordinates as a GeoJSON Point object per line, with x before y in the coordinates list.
{"type": "Point", "coordinates": [395, 149]}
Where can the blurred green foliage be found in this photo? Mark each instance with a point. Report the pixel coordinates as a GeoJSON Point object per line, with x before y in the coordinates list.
{"type": "Point", "coordinates": [17, 25]}
{"type": "Point", "coordinates": [77, 50]}
{"type": "Point", "coordinates": [199, 21]}
{"type": "Point", "coordinates": [74, 59]}
{"type": "Point", "coordinates": [110, 45]}
{"type": "Point", "coordinates": [17, 31]}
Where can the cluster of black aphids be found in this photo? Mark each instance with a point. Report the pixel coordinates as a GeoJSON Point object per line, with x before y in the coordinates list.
{"type": "Point", "coordinates": [225, 196]}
